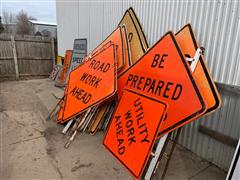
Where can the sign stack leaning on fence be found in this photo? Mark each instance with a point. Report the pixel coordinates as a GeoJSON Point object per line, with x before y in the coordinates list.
{"type": "Point", "coordinates": [154, 91]}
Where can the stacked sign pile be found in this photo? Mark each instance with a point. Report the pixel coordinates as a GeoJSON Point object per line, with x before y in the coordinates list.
{"type": "Point", "coordinates": [152, 91]}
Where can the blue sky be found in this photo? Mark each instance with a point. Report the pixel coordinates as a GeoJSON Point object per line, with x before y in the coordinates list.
{"type": "Point", "coordinates": [43, 10]}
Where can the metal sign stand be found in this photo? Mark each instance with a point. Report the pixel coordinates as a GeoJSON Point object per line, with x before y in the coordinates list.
{"type": "Point", "coordinates": [234, 172]}
{"type": "Point", "coordinates": [55, 109]}
{"type": "Point", "coordinates": [169, 156]}
{"type": "Point", "coordinates": [163, 142]}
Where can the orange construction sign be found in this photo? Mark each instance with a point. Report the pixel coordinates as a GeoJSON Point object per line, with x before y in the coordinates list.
{"type": "Point", "coordinates": [56, 69]}
{"type": "Point", "coordinates": [127, 52]}
{"type": "Point", "coordinates": [136, 38]}
{"type": "Point", "coordinates": [91, 83]}
{"type": "Point", "coordinates": [60, 112]}
{"type": "Point", "coordinates": [188, 44]}
{"type": "Point", "coordinates": [64, 72]}
{"type": "Point", "coordinates": [163, 74]}
{"type": "Point", "coordinates": [133, 129]}
{"type": "Point", "coordinates": [115, 38]}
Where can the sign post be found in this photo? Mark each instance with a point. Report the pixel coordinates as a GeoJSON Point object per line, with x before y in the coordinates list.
{"type": "Point", "coordinates": [234, 170]}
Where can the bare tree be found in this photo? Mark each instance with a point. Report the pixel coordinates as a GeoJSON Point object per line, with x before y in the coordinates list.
{"type": "Point", "coordinates": [1, 25]}
{"type": "Point", "coordinates": [9, 21]}
{"type": "Point", "coordinates": [23, 24]}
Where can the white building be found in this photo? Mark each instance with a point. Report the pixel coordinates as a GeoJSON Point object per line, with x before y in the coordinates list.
{"type": "Point", "coordinates": [45, 28]}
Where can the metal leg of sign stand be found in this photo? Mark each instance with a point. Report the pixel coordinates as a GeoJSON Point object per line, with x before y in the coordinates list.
{"type": "Point", "coordinates": [159, 154]}
{"type": "Point", "coordinates": [74, 133]}
{"type": "Point", "coordinates": [169, 156]}
{"type": "Point", "coordinates": [53, 112]}
{"type": "Point", "coordinates": [156, 156]}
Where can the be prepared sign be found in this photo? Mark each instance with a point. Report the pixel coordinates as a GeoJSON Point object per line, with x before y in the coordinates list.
{"type": "Point", "coordinates": [163, 74]}
{"type": "Point", "coordinates": [133, 130]}
{"type": "Point", "coordinates": [91, 83]}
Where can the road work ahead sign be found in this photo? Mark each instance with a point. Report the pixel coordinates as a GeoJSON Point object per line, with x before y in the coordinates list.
{"type": "Point", "coordinates": [91, 83]}
{"type": "Point", "coordinates": [163, 74]}
{"type": "Point", "coordinates": [133, 130]}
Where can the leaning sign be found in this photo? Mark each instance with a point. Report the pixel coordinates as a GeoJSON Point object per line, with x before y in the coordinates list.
{"type": "Point", "coordinates": [163, 74]}
{"type": "Point", "coordinates": [91, 83]}
{"type": "Point", "coordinates": [79, 52]}
{"type": "Point", "coordinates": [133, 129]}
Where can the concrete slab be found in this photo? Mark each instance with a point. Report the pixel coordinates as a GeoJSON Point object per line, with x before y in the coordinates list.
{"type": "Point", "coordinates": [187, 165]}
{"type": "Point", "coordinates": [33, 148]}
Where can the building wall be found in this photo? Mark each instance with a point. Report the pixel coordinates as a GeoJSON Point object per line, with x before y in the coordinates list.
{"type": "Point", "coordinates": [41, 28]}
{"type": "Point", "coordinates": [217, 28]}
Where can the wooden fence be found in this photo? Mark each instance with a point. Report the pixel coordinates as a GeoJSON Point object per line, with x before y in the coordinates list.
{"type": "Point", "coordinates": [25, 56]}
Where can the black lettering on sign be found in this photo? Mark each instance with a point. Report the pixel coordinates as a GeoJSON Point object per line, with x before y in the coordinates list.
{"type": "Point", "coordinates": [133, 129]}
{"type": "Point", "coordinates": [157, 87]}
{"type": "Point", "coordinates": [90, 80]}
{"type": "Point", "coordinates": [177, 92]}
{"type": "Point", "coordinates": [130, 36]}
{"type": "Point", "coordinates": [143, 131]}
{"type": "Point", "coordinates": [119, 135]}
{"type": "Point", "coordinates": [81, 94]}
{"type": "Point", "coordinates": [130, 128]}
{"type": "Point", "coordinates": [99, 66]}
{"type": "Point", "coordinates": [77, 59]}
{"type": "Point", "coordinates": [165, 94]}
{"type": "Point", "coordinates": [158, 60]}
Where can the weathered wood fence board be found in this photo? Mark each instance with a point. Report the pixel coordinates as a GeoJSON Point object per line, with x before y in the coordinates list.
{"type": "Point", "coordinates": [35, 56]}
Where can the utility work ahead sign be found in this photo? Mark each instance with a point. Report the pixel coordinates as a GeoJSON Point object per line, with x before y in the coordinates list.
{"type": "Point", "coordinates": [163, 74]}
{"type": "Point", "coordinates": [133, 129]}
{"type": "Point", "coordinates": [91, 83]}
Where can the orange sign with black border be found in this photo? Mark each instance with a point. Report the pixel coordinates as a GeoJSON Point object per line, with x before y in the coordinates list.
{"type": "Point", "coordinates": [116, 38]}
{"type": "Point", "coordinates": [163, 73]}
{"type": "Point", "coordinates": [133, 129]}
{"type": "Point", "coordinates": [91, 83]}
{"type": "Point", "coordinates": [188, 43]}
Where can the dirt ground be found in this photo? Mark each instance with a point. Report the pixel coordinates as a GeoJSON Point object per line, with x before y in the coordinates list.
{"type": "Point", "coordinates": [33, 148]}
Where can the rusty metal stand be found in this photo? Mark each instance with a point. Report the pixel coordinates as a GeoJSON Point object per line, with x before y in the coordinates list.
{"type": "Point", "coordinates": [158, 154]}
{"type": "Point", "coordinates": [54, 111]}
{"type": "Point", "coordinates": [169, 156]}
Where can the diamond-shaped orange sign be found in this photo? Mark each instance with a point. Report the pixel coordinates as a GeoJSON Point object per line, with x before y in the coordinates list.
{"type": "Point", "coordinates": [91, 83]}
{"type": "Point", "coordinates": [163, 74]}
